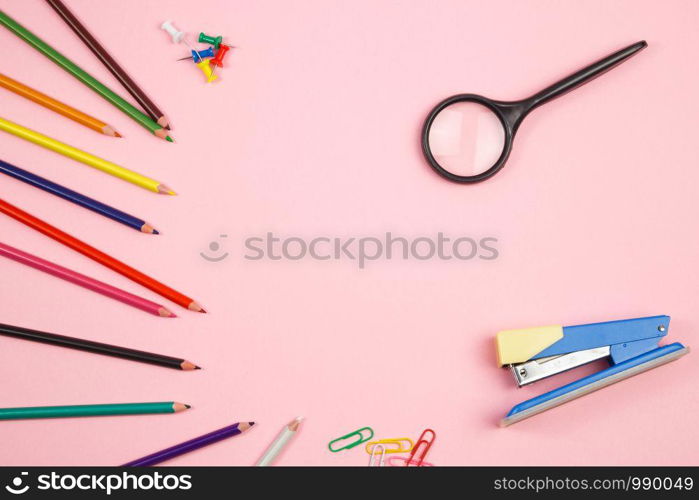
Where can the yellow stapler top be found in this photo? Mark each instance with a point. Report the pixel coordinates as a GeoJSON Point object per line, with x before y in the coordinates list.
{"type": "Point", "coordinates": [518, 346]}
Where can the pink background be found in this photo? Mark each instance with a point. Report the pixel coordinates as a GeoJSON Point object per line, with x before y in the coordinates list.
{"type": "Point", "coordinates": [313, 130]}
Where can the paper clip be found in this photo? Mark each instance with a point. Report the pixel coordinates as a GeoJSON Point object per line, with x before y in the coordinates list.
{"type": "Point", "coordinates": [420, 442]}
{"type": "Point", "coordinates": [404, 461]}
{"type": "Point", "coordinates": [398, 445]}
{"type": "Point", "coordinates": [381, 455]}
{"type": "Point", "coordinates": [360, 439]}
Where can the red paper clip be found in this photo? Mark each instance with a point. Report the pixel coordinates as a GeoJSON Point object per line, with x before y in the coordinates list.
{"type": "Point", "coordinates": [421, 443]}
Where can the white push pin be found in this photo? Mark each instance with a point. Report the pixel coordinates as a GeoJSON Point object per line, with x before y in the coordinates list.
{"type": "Point", "coordinates": [177, 35]}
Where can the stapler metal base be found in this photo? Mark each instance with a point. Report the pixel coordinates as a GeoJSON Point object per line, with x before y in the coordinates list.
{"type": "Point", "coordinates": [591, 383]}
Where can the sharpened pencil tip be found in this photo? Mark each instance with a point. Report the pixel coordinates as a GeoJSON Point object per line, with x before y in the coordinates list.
{"type": "Point", "coordinates": [155, 231]}
{"type": "Point", "coordinates": [163, 189]}
{"type": "Point", "coordinates": [166, 313]}
{"type": "Point", "coordinates": [188, 406]}
{"type": "Point", "coordinates": [169, 139]}
{"type": "Point", "coordinates": [193, 306]}
{"type": "Point", "coordinates": [251, 423]}
{"type": "Point", "coordinates": [117, 134]}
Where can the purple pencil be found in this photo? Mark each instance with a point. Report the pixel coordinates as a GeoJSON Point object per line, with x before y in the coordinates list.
{"type": "Point", "coordinates": [191, 445]}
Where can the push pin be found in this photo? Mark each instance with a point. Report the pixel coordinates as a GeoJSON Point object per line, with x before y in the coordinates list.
{"type": "Point", "coordinates": [215, 41]}
{"type": "Point", "coordinates": [217, 61]}
{"type": "Point", "coordinates": [177, 35]}
{"type": "Point", "coordinates": [198, 56]}
{"type": "Point", "coordinates": [205, 67]}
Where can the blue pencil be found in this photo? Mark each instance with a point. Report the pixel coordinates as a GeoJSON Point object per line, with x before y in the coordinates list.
{"type": "Point", "coordinates": [77, 198]}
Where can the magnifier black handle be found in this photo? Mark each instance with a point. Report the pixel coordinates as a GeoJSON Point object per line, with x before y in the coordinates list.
{"type": "Point", "coordinates": [584, 75]}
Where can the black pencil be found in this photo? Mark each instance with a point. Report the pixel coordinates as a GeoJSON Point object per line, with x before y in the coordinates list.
{"type": "Point", "coordinates": [97, 347]}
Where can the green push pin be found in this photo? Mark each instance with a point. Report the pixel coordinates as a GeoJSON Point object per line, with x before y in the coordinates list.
{"type": "Point", "coordinates": [215, 41]}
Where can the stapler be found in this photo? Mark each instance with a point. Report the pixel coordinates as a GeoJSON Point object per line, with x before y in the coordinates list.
{"type": "Point", "coordinates": [630, 346]}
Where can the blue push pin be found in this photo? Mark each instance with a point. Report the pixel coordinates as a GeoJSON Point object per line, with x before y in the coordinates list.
{"type": "Point", "coordinates": [200, 55]}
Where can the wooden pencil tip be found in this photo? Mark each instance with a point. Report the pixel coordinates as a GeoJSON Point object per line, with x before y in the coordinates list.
{"type": "Point", "coordinates": [244, 426]}
{"type": "Point", "coordinates": [147, 228]}
{"type": "Point", "coordinates": [163, 122]}
{"type": "Point", "coordinates": [109, 130]}
{"type": "Point", "coordinates": [295, 424]}
{"type": "Point", "coordinates": [193, 306]}
{"type": "Point", "coordinates": [166, 313]}
{"type": "Point", "coordinates": [163, 189]}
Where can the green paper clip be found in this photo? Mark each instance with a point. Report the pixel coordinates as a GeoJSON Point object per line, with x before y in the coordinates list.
{"type": "Point", "coordinates": [360, 435]}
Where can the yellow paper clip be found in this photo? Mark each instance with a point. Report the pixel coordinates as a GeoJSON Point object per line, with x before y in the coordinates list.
{"type": "Point", "coordinates": [397, 445]}
{"type": "Point", "coordinates": [362, 435]}
{"type": "Point", "coordinates": [382, 453]}
{"type": "Point", "coordinates": [205, 67]}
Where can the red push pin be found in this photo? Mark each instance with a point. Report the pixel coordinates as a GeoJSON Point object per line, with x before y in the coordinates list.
{"type": "Point", "coordinates": [218, 60]}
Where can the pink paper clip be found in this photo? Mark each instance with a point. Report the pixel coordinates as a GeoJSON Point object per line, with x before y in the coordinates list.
{"type": "Point", "coordinates": [404, 462]}
{"type": "Point", "coordinates": [421, 443]}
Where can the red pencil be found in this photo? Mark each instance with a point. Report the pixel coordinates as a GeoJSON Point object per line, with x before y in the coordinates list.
{"type": "Point", "coordinates": [99, 256]}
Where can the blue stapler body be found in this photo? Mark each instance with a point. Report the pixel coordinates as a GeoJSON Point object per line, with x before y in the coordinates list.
{"type": "Point", "coordinates": [630, 346]}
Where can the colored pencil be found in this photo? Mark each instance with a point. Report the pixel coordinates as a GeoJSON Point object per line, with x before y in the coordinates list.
{"type": "Point", "coordinates": [57, 106]}
{"type": "Point", "coordinates": [279, 443]}
{"type": "Point", "coordinates": [99, 256]}
{"type": "Point", "coordinates": [96, 347]}
{"type": "Point", "coordinates": [90, 410]}
{"type": "Point", "coordinates": [77, 198]}
{"type": "Point", "coordinates": [114, 68]}
{"type": "Point", "coordinates": [84, 281]}
{"type": "Point", "coordinates": [75, 70]}
{"type": "Point", "coordinates": [191, 445]}
{"type": "Point", "coordinates": [88, 159]}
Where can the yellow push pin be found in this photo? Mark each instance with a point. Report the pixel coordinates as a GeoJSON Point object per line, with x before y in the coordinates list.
{"type": "Point", "coordinates": [205, 67]}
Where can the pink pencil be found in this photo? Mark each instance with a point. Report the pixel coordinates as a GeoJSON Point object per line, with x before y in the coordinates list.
{"type": "Point", "coordinates": [84, 281]}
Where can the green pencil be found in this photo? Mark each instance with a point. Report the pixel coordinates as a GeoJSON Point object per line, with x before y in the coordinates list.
{"type": "Point", "coordinates": [90, 410]}
{"type": "Point", "coordinates": [83, 76]}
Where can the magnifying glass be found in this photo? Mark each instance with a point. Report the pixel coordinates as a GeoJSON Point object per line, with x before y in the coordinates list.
{"type": "Point", "coordinates": [467, 138]}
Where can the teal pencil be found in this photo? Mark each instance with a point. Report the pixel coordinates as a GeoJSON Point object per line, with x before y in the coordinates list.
{"type": "Point", "coordinates": [90, 410]}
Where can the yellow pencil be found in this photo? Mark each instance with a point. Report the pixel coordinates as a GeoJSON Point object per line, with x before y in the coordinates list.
{"type": "Point", "coordinates": [84, 157]}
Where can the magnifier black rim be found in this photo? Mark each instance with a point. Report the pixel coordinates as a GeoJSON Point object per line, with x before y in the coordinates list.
{"type": "Point", "coordinates": [466, 179]}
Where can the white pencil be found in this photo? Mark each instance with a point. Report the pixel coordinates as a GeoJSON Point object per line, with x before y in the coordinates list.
{"type": "Point", "coordinates": [282, 439]}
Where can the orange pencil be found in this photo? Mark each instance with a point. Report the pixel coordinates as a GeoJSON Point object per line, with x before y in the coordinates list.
{"type": "Point", "coordinates": [99, 256]}
{"type": "Point", "coordinates": [57, 106]}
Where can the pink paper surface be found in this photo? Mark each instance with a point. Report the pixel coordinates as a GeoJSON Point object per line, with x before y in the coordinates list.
{"type": "Point", "coordinates": [314, 130]}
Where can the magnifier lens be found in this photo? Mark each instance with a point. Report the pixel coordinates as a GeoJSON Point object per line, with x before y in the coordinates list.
{"type": "Point", "coordinates": [466, 138]}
